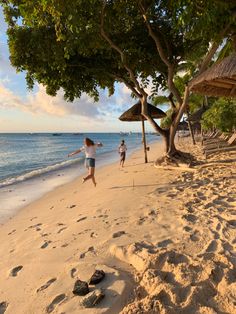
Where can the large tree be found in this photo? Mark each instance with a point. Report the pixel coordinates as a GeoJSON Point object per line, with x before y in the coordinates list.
{"type": "Point", "coordinates": [83, 45]}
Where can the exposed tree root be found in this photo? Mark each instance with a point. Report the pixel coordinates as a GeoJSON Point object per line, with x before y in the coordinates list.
{"type": "Point", "coordinates": [177, 159]}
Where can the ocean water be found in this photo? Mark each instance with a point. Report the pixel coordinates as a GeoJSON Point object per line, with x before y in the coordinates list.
{"type": "Point", "coordinates": [33, 164]}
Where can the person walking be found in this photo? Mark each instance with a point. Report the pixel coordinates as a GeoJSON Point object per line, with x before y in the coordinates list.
{"type": "Point", "coordinates": [89, 149]}
{"type": "Point", "coordinates": [122, 151]}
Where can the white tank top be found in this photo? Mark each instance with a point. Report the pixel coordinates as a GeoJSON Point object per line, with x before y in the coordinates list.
{"type": "Point", "coordinates": [90, 151]}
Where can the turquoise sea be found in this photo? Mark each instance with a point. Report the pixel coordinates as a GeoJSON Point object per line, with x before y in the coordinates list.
{"type": "Point", "coordinates": [33, 164]}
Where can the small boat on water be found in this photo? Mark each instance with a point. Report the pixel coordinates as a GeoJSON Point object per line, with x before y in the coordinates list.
{"type": "Point", "coordinates": [124, 133]}
{"type": "Point", "coordinates": [56, 134]}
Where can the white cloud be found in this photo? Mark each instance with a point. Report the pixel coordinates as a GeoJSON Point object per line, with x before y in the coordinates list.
{"type": "Point", "coordinates": [40, 102]}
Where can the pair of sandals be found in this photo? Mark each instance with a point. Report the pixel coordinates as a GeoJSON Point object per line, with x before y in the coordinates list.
{"type": "Point", "coordinates": [82, 287]}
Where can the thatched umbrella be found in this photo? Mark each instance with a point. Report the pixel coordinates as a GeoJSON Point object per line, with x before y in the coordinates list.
{"type": "Point", "coordinates": [134, 114]}
{"type": "Point", "coordinates": [219, 80]}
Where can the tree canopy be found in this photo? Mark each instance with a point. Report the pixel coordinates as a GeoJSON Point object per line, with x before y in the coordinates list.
{"type": "Point", "coordinates": [83, 45]}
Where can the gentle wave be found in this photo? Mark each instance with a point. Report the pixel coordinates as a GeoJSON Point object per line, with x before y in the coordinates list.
{"type": "Point", "coordinates": [40, 171]}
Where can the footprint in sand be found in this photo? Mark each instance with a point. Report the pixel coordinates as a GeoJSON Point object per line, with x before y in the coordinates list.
{"type": "Point", "coordinates": [56, 301]}
{"type": "Point", "coordinates": [164, 243]}
{"type": "Point", "coordinates": [90, 249]}
{"type": "Point", "coordinates": [194, 237]}
{"type": "Point", "coordinates": [217, 274]}
{"type": "Point", "coordinates": [102, 216]}
{"type": "Point", "coordinates": [215, 234]}
{"type": "Point", "coordinates": [219, 226]}
{"type": "Point", "coordinates": [153, 212]}
{"type": "Point", "coordinates": [118, 234]}
{"type": "Point", "coordinates": [60, 230]}
{"type": "Point", "coordinates": [227, 247]}
{"type": "Point", "coordinates": [46, 285]}
{"type": "Point", "coordinates": [230, 199]}
{"type": "Point", "coordinates": [171, 195]}
{"type": "Point", "coordinates": [15, 271]}
{"type": "Point", "coordinates": [13, 231]}
{"type": "Point", "coordinates": [3, 307]}
{"type": "Point", "coordinates": [81, 219]}
{"type": "Point", "coordinates": [93, 235]}
{"type": "Point", "coordinates": [190, 217]}
{"type": "Point", "coordinates": [34, 226]}
{"type": "Point", "coordinates": [187, 229]}
{"type": "Point", "coordinates": [73, 271]}
{"type": "Point", "coordinates": [72, 206]}
{"type": "Point", "coordinates": [232, 223]}
{"type": "Point", "coordinates": [141, 220]}
{"type": "Point", "coordinates": [44, 234]}
{"type": "Point", "coordinates": [212, 247]}
{"type": "Point", "coordinates": [45, 244]}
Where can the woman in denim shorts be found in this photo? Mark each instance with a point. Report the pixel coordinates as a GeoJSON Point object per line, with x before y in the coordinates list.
{"type": "Point", "coordinates": [89, 149]}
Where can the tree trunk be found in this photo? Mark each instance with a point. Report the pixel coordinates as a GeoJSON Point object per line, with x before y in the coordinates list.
{"type": "Point", "coordinates": [190, 129]}
{"type": "Point", "coordinates": [171, 145]}
{"type": "Point", "coordinates": [144, 141]}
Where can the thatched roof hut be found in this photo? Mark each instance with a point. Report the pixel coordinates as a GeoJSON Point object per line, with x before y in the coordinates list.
{"type": "Point", "coordinates": [134, 113]}
{"type": "Point", "coordinates": [219, 80]}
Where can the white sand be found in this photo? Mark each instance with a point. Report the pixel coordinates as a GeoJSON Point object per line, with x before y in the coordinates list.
{"type": "Point", "coordinates": [165, 238]}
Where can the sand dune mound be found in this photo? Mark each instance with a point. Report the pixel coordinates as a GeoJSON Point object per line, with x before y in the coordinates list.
{"type": "Point", "coordinates": [197, 273]}
{"type": "Point", "coordinates": [178, 283]}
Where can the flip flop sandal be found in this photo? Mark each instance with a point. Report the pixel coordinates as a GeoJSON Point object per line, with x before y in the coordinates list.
{"type": "Point", "coordinates": [97, 276]}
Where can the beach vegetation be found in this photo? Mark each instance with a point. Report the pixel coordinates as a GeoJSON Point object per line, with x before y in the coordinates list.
{"type": "Point", "coordinates": [221, 115]}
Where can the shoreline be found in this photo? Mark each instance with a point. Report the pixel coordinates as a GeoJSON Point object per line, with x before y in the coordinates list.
{"type": "Point", "coordinates": [23, 193]}
{"type": "Point", "coordinates": [164, 238]}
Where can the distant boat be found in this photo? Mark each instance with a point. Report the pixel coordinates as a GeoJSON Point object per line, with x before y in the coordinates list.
{"type": "Point", "coordinates": [78, 134]}
{"type": "Point", "coordinates": [56, 134]}
{"type": "Point", "coordinates": [124, 133]}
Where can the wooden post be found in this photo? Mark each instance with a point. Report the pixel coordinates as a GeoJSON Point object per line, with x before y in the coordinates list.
{"type": "Point", "coordinates": [190, 128]}
{"type": "Point", "coordinates": [144, 141]}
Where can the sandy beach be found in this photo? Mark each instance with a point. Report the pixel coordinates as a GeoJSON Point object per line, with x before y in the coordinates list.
{"type": "Point", "coordinates": [165, 238]}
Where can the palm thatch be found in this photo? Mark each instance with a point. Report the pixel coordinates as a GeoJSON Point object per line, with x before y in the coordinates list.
{"type": "Point", "coordinates": [219, 80]}
{"type": "Point", "coordinates": [134, 113]}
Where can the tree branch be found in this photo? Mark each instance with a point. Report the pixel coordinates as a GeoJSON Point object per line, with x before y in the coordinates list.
{"type": "Point", "coordinates": [122, 54]}
{"type": "Point", "coordinates": [132, 88]}
{"type": "Point", "coordinates": [170, 97]}
{"type": "Point", "coordinates": [155, 125]}
{"type": "Point", "coordinates": [212, 51]}
{"type": "Point", "coordinates": [162, 55]}
{"type": "Point", "coordinates": [154, 36]}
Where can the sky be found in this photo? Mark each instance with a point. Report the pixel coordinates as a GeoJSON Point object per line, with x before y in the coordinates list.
{"type": "Point", "coordinates": [22, 110]}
